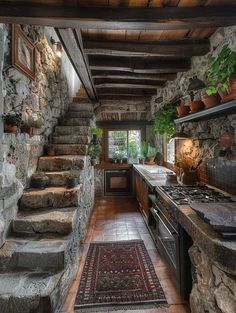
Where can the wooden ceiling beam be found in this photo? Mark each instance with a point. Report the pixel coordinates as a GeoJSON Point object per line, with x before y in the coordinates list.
{"type": "Point", "coordinates": [163, 18]}
{"type": "Point", "coordinates": [115, 85]}
{"type": "Point", "coordinates": [75, 53]}
{"type": "Point", "coordinates": [137, 65]}
{"type": "Point", "coordinates": [177, 48]}
{"type": "Point", "coordinates": [101, 74]}
{"type": "Point", "coordinates": [99, 82]}
{"type": "Point", "coordinates": [125, 97]}
{"type": "Point", "coordinates": [126, 91]}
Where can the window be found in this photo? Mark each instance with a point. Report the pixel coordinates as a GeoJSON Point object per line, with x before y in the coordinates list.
{"type": "Point", "coordinates": [170, 152]}
{"type": "Point", "coordinates": [124, 144]}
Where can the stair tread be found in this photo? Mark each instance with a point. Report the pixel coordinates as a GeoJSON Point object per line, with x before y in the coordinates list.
{"type": "Point", "coordinates": [65, 156]}
{"type": "Point", "coordinates": [34, 191]}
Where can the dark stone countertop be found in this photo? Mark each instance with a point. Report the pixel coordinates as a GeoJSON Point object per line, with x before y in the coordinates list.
{"type": "Point", "coordinates": [219, 250]}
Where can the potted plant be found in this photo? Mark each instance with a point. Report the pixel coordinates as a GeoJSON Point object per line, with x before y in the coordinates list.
{"type": "Point", "coordinates": [143, 152]}
{"type": "Point", "coordinates": [94, 151]}
{"type": "Point", "coordinates": [32, 124]}
{"type": "Point", "coordinates": [221, 74]}
{"type": "Point", "coordinates": [11, 122]}
{"type": "Point", "coordinates": [188, 168]}
{"type": "Point", "coordinates": [133, 151]}
{"type": "Point", "coordinates": [163, 122]}
{"type": "Point", "coordinates": [39, 180]}
{"type": "Point", "coordinates": [96, 134]}
{"type": "Point", "coordinates": [210, 99]}
{"type": "Point", "coordinates": [121, 153]}
{"type": "Point", "coordinates": [151, 154]}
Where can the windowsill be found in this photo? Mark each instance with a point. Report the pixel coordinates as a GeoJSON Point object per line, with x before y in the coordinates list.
{"type": "Point", "coordinates": [106, 165]}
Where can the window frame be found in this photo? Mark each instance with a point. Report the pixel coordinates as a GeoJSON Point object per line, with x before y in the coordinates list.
{"type": "Point", "coordinates": [105, 150]}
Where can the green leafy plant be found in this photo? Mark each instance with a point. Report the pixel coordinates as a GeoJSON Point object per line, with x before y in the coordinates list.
{"type": "Point", "coordinates": [221, 68]}
{"type": "Point", "coordinates": [133, 149]}
{"type": "Point", "coordinates": [96, 131]}
{"type": "Point", "coordinates": [151, 151]}
{"type": "Point", "coordinates": [94, 150]}
{"type": "Point", "coordinates": [163, 122]}
{"type": "Point", "coordinates": [13, 119]}
{"type": "Point", "coordinates": [33, 122]}
{"type": "Point", "coordinates": [144, 150]}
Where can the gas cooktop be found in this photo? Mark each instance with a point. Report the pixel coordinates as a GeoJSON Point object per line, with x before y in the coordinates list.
{"type": "Point", "coordinates": [195, 194]}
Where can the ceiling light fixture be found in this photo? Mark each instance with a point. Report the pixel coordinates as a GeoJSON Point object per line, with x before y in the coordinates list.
{"type": "Point", "coordinates": [58, 46]}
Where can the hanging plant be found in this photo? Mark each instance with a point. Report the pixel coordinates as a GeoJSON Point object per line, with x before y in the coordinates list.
{"type": "Point", "coordinates": [163, 122]}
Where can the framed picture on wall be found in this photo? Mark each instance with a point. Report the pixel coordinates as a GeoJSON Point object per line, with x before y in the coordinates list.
{"type": "Point", "coordinates": [23, 52]}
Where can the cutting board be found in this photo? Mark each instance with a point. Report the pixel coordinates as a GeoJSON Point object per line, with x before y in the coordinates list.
{"type": "Point", "coordinates": [221, 216]}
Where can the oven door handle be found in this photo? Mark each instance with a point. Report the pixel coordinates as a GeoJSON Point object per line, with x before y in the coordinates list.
{"type": "Point", "coordinates": [172, 232]}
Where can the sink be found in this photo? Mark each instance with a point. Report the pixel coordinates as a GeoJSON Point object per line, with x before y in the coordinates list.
{"type": "Point", "coordinates": [156, 169]}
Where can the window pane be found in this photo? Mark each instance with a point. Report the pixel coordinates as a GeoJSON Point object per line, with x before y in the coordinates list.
{"type": "Point", "coordinates": [117, 143]}
{"type": "Point", "coordinates": [170, 152]}
{"type": "Point", "coordinates": [134, 139]}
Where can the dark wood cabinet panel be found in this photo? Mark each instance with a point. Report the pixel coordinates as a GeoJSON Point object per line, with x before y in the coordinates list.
{"type": "Point", "coordinates": [141, 191]}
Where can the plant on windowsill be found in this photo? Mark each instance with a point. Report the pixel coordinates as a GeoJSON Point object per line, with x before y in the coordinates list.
{"type": "Point", "coordinates": [11, 122]}
{"type": "Point", "coordinates": [221, 74]}
{"type": "Point", "coordinates": [163, 122]}
{"type": "Point", "coordinates": [143, 152]}
{"type": "Point", "coordinates": [151, 155]}
{"type": "Point", "coordinates": [121, 153]}
{"type": "Point", "coordinates": [133, 152]}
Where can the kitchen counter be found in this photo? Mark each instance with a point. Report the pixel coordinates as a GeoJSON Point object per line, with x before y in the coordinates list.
{"type": "Point", "coordinates": [218, 249]}
{"type": "Point", "coordinates": [154, 175]}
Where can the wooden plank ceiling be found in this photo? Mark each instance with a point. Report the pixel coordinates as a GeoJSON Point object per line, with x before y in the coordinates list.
{"type": "Point", "coordinates": [128, 48]}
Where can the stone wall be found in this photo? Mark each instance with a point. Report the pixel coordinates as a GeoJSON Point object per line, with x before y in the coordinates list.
{"type": "Point", "coordinates": [208, 131]}
{"type": "Point", "coordinates": [214, 291]}
{"type": "Point", "coordinates": [48, 96]}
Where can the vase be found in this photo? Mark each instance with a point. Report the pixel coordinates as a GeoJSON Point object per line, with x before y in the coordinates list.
{"type": "Point", "coordinates": [182, 110]}
{"type": "Point", "coordinates": [150, 160]}
{"type": "Point", "coordinates": [196, 106]}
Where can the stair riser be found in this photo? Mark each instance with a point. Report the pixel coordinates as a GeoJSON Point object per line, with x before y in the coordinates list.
{"type": "Point", "coordinates": [76, 106]}
{"type": "Point", "coordinates": [72, 130]}
{"type": "Point", "coordinates": [67, 149]}
{"type": "Point", "coordinates": [70, 139]}
{"type": "Point", "coordinates": [51, 165]}
{"type": "Point", "coordinates": [45, 261]}
{"type": "Point", "coordinates": [40, 227]}
{"type": "Point", "coordinates": [57, 180]}
{"type": "Point", "coordinates": [50, 200]}
{"type": "Point", "coordinates": [75, 122]}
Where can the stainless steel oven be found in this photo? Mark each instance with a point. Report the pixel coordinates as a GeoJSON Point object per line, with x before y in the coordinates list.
{"type": "Point", "coordinates": [172, 242]}
{"type": "Point", "coordinates": [118, 182]}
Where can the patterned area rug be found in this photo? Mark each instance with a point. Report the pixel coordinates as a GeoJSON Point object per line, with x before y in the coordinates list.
{"type": "Point", "coordinates": [117, 274]}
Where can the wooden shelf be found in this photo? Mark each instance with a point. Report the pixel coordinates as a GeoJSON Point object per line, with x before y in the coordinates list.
{"type": "Point", "coordinates": [213, 112]}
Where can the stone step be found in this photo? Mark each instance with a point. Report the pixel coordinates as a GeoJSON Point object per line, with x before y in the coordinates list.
{"type": "Point", "coordinates": [68, 139]}
{"type": "Point", "coordinates": [75, 121]}
{"type": "Point", "coordinates": [68, 149]}
{"type": "Point", "coordinates": [59, 221]}
{"type": "Point", "coordinates": [61, 163]}
{"type": "Point", "coordinates": [46, 254]}
{"type": "Point", "coordinates": [77, 105]}
{"type": "Point", "coordinates": [79, 114]}
{"type": "Point", "coordinates": [50, 197]}
{"type": "Point", "coordinates": [71, 130]}
{"type": "Point", "coordinates": [57, 179]}
{"type": "Point", "coordinates": [26, 292]}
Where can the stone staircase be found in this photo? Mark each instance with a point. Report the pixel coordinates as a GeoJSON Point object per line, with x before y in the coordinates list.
{"type": "Point", "coordinates": [40, 256]}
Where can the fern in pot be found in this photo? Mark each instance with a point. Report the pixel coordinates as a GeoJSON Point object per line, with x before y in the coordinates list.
{"type": "Point", "coordinates": [163, 122]}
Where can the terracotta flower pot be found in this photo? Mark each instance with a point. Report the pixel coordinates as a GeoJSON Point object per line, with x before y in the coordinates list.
{"type": "Point", "coordinates": [196, 106]}
{"type": "Point", "coordinates": [10, 128]}
{"type": "Point", "coordinates": [27, 130]}
{"type": "Point", "coordinates": [183, 110]}
{"type": "Point", "coordinates": [210, 101]}
{"type": "Point", "coordinates": [189, 178]}
{"type": "Point", "coordinates": [223, 94]}
{"type": "Point", "coordinates": [232, 82]}
{"type": "Point", "coordinates": [150, 160]}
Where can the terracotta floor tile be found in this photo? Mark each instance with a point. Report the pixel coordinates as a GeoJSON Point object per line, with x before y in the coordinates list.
{"type": "Point", "coordinates": [111, 221]}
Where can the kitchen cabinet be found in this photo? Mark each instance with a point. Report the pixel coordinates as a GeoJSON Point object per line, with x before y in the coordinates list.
{"type": "Point", "coordinates": [142, 191]}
